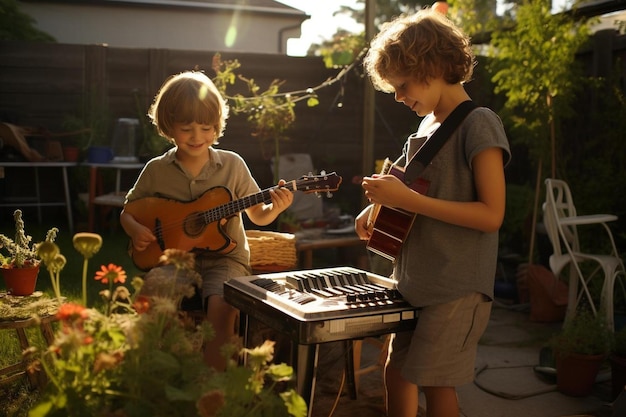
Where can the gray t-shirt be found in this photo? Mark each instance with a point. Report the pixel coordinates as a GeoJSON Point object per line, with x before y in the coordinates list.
{"type": "Point", "coordinates": [164, 177]}
{"type": "Point", "coordinates": [441, 262]}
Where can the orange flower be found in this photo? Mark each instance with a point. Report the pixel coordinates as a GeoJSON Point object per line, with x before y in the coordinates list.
{"type": "Point", "coordinates": [33, 367]}
{"type": "Point", "coordinates": [141, 304]}
{"type": "Point", "coordinates": [210, 403]}
{"type": "Point", "coordinates": [71, 312]}
{"type": "Point", "coordinates": [111, 273]}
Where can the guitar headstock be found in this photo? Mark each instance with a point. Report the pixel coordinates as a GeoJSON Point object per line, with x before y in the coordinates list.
{"type": "Point", "coordinates": [319, 183]}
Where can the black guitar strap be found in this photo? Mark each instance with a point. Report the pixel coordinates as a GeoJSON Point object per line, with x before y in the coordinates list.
{"type": "Point", "coordinates": [428, 151]}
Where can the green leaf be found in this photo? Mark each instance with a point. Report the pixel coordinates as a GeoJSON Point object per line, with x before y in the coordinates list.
{"type": "Point", "coordinates": [280, 372]}
{"type": "Point", "coordinates": [164, 361]}
{"type": "Point", "coordinates": [175, 394]}
{"type": "Point", "coordinates": [296, 406]}
{"type": "Point", "coordinates": [40, 410]}
{"type": "Point", "coordinates": [312, 102]}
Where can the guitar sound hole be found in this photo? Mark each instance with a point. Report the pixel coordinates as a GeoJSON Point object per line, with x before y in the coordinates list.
{"type": "Point", "coordinates": [194, 224]}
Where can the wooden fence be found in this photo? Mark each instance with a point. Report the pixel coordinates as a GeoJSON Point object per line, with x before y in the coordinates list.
{"type": "Point", "coordinates": [42, 85]}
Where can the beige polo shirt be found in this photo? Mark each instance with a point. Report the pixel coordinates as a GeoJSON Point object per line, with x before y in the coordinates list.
{"type": "Point", "coordinates": [165, 177]}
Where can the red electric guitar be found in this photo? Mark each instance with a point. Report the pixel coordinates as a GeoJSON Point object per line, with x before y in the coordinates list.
{"type": "Point", "coordinates": [190, 225]}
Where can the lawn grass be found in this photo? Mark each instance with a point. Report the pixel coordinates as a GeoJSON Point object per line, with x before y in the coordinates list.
{"type": "Point", "coordinates": [17, 398]}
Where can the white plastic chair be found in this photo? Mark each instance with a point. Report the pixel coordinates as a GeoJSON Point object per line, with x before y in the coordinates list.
{"type": "Point", "coordinates": [561, 222]}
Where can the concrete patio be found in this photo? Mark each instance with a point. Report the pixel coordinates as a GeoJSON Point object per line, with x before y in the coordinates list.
{"type": "Point", "coordinates": [506, 383]}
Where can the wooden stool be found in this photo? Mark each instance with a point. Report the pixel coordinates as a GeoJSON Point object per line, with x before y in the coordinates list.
{"type": "Point", "coordinates": [19, 369]}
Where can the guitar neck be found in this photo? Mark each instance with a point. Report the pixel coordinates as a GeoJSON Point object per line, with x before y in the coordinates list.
{"type": "Point", "coordinates": [233, 207]}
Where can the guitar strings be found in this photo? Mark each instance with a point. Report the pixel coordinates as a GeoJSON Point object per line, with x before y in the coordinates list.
{"type": "Point", "coordinates": [231, 208]}
{"type": "Point", "coordinates": [211, 215]}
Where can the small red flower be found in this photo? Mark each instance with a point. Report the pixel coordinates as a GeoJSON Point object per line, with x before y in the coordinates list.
{"type": "Point", "coordinates": [71, 312]}
{"type": "Point", "coordinates": [111, 272]}
{"type": "Point", "coordinates": [141, 304]}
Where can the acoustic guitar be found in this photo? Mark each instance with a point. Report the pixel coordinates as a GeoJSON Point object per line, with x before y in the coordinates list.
{"type": "Point", "coordinates": [389, 226]}
{"type": "Point", "coordinates": [198, 224]}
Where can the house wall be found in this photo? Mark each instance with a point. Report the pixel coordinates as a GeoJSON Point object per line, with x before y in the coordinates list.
{"type": "Point", "coordinates": [167, 28]}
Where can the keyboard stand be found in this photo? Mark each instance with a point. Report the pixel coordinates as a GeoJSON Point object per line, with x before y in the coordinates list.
{"type": "Point", "coordinates": [303, 358]}
{"type": "Point", "coordinates": [272, 309]}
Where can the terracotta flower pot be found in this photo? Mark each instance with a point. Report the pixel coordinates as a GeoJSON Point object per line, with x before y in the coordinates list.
{"type": "Point", "coordinates": [71, 153]}
{"type": "Point", "coordinates": [576, 373]}
{"type": "Point", "coordinates": [20, 281]}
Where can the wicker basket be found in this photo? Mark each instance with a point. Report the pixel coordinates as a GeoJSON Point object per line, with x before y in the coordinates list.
{"type": "Point", "coordinates": [272, 250]}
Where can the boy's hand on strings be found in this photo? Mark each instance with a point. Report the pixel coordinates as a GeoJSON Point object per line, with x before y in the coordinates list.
{"type": "Point", "coordinates": [281, 197]}
{"type": "Point", "coordinates": [386, 190]}
{"type": "Point", "coordinates": [141, 237]}
{"type": "Point", "coordinates": [263, 214]}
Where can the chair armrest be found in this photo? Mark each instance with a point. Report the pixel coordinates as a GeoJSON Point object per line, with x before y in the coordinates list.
{"type": "Point", "coordinates": [588, 219]}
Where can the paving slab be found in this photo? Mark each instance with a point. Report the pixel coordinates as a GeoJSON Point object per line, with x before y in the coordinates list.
{"type": "Point", "coordinates": [506, 385]}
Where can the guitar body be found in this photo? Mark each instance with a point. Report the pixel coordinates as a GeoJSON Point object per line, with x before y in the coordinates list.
{"type": "Point", "coordinates": [185, 226]}
{"type": "Point", "coordinates": [390, 226]}
{"type": "Point", "coordinates": [198, 224]}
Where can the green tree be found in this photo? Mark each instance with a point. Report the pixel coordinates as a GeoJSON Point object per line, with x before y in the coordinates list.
{"type": "Point", "coordinates": [344, 47]}
{"type": "Point", "coordinates": [535, 67]}
{"type": "Point", "coordinates": [16, 25]}
{"type": "Point", "coordinates": [474, 16]}
{"type": "Point", "coordinates": [271, 112]}
{"type": "Point", "coordinates": [385, 9]}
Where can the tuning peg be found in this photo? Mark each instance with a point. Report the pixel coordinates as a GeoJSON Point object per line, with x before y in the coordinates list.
{"type": "Point", "coordinates": [322, 172]}
{"type": "Point", "coordinates": [329, 194]}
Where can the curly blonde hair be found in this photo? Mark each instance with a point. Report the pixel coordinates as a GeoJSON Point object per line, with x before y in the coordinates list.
{"type": "Point", "coordinates": [422, 46]}
{"type": "Point", "coordinates": [188, 97]}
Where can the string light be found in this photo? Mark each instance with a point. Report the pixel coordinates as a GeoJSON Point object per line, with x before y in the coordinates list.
{"type": "Point", "coordinates": [299, 95]}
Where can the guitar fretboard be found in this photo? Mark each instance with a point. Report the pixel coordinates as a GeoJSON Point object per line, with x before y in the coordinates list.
{"type": "Point", "coordinates": [233, 207]}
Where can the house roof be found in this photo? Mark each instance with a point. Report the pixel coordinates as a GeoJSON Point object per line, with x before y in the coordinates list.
{"type": "Point", "coordinates": [590, 8]}
{"type": "Point", "coordinates": [260, 6]}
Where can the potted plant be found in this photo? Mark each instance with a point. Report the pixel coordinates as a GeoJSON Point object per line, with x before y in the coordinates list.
{"type": "Point", "coordinates": [21, 267]}
{"type": "Point", "coordinates": [580, 348]}
{"type": "Point", "coordinates": [150, 143]}
{"type": "Point", "coordinates": [618, 362]}
{"type": "Point", "coordinates": [75, 146]}
{"type": "Point", "coordinates": [74, 138]}
{"type": "Point", "coordinates": [91, 124]}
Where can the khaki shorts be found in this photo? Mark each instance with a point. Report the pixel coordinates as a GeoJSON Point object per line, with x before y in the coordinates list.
{"type": "Point", "coordinates": [215, 271]}
{"type": "Point", "coordinates": [441, 351]}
